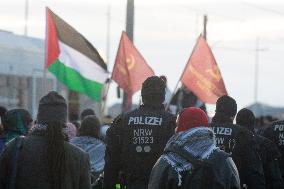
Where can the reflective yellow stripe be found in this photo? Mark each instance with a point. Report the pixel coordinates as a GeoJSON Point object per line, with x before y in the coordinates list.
{"type": "Point", "coordinates": [117, 186]}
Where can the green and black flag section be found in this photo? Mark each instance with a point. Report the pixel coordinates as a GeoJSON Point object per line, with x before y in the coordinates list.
{"type": "Point", "coordinates": [72, 58]}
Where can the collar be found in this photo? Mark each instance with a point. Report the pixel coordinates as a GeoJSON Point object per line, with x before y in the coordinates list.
{"type": "Point", "coordinates": [152, 106]}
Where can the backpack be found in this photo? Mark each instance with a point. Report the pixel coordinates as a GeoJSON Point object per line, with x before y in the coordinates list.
{"type": "Point", "coordinates": [202, 176]}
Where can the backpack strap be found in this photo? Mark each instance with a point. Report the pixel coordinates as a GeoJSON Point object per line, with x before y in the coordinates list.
{"type": "Point", "coordinates": [16, 149]}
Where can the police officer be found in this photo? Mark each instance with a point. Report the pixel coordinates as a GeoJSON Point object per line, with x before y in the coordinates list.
{"type": "Point", "coordinates": [268, 151]}
{"type": "Point", "coordinates": [276, 133]}
{"type": "Point", "coordinates": [136, 139]}
{"type": "Point", "coordinates": [238, 142]}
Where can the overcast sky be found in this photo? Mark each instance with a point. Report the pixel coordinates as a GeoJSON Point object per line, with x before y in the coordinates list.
{"type": "Point", "coordinates": [166, 31]}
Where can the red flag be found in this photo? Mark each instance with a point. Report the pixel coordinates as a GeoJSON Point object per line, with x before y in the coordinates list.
{"type": "Point", "coordinates": [130, 69]}
{"type": "Point", "coordinates": [202, 75]}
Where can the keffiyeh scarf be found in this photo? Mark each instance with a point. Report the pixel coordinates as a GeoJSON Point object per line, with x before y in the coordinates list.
{"type": "Point", "coordinates": [199, 142]}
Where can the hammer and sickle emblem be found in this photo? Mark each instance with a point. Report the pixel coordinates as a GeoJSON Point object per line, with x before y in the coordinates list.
{"type": "Point", "coordinates": [130, 63]}
{"type": "Point", "coordinates": [215, 73]}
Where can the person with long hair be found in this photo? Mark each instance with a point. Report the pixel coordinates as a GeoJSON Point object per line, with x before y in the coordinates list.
{"type": "Point", "coordinates": [44, 159]}
{"type": "Point", "coordinates": [88, 139]}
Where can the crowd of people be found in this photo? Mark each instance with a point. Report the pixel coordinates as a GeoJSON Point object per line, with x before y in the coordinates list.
{"type": "Point", "coordinates": [148, 147]}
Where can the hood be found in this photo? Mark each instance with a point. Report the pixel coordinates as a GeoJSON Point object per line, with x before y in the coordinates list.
{"type": "Point", "coordinates": [16, 122]}
{"type": "Point", "coordinates": [198, 142]}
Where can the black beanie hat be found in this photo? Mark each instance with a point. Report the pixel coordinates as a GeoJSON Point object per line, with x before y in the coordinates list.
{"type": "Point", "coordinates": [153, 91]}
{"type": "Point", "coordinates": [52, 107]}
{"type": "Point", "coordinates": [245, 118]}
{"type": "Point", "coordinates": [153, 85]}
{"type": "Point", "coordinates": [226, 105]}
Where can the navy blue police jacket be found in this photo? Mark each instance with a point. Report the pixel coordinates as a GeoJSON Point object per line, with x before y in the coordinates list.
{"type": "Point", "coordinates": [134, 143]}
{"type": "Point", "coordinates": [240, 143]}
{"type": "Point", "coordinates": [276, 133]}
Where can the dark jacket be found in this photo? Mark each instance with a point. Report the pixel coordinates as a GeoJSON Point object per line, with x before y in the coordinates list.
{"type": "Point", "coordinates": [270, 156]}
{"type": "Point", "coordinates": [276, 134]}
{"type": "Point", "coordinates": [175, 171]}
{"type": "Point", "coordinates": [134, 142]}
{"type": "Point", "coordinates": [238, 142]}
{"type": "Point", "coordinates": [32, 171]}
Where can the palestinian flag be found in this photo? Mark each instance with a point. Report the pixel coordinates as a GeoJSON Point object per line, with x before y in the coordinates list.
{"type": "Point", "coordinates": [72, 59]}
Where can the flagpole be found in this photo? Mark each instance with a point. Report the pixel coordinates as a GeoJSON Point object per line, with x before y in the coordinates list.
{"type": "Point", "coordinates": [108, 33]}
{"type": "Point", "coordinates": [110, 79]}
{"type": "Point", "coordinates": [45, 49]}
{"type": "Point", "coordinates": [183, 72]}
{"type": "Point", "coordinates": [115, 64]}
{"type": "Point", "coordinates": [205, 19]}
{"type": "Point", "coordinates": [26, 17]}
{"type": "Point", "coordinates": [256, 70]}
{"type": "Point", "coordinates": [105, 95]}
{"type": "Point", "coordinates": [107, 58]}
{"type": "Point", "coordinates": [129, 31]}
{"type": "Point", "coordinates": [174, 92]}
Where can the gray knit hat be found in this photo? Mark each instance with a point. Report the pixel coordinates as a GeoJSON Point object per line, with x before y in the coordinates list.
{"type": "Point", "coordinates": [52, 107]}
